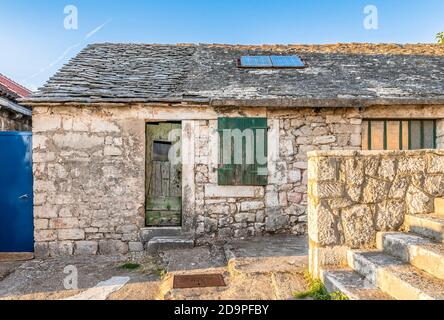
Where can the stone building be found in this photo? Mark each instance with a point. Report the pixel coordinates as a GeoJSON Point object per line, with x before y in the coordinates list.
{"type": "Point", "coordinates": [13, 116]}
{"type": "Point", "coordinates": [105, 126]}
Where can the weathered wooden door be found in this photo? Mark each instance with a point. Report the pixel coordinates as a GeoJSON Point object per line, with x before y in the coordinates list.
{"type": "Point", "coordinates": [163, 174]}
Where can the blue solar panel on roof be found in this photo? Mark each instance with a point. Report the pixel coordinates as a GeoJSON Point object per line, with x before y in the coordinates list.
{"type": "Point", "coordinates": [287, 61]}
{"type": "Point", "coordinates": [256, 61]}
{"type": "Point", "coordinates": [271, 61]}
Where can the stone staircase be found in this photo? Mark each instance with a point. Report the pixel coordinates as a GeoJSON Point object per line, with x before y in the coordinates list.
{"type": "Point", "coordinates": [405, 266]}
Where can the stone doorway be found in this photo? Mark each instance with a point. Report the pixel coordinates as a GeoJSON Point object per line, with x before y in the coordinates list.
{"type": "Point", "coordinates": [163, 174]}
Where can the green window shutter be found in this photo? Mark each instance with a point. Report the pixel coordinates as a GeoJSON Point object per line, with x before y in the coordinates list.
{"type": "Point", "coordinates": [243, 173]}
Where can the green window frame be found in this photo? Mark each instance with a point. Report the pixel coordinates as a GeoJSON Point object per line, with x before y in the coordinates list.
{"type": "Point", "coordinates": [420, 133]}
{"type": "Point", "coordinates": [243, 174]}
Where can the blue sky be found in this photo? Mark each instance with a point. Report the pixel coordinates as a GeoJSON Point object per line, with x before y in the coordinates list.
{"type": "Point", "coordinates": [35, 43]}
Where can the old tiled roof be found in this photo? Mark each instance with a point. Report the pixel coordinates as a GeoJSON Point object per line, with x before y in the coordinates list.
{"type": "Point", "coordinates": [343, 74]}
{"type": "Point", "coordinates": [12, 90]}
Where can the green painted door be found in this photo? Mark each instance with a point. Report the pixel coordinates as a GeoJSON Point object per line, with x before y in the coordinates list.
{"type": "Point", "coordinates": [163, 175]}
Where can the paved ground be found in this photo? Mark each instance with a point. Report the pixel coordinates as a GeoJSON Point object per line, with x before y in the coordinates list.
{"type": "Point", "coordinates": [250, 267]}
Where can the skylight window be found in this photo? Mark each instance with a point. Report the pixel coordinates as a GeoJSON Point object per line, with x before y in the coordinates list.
{"type": "Point", "coordinates": [271, 62]}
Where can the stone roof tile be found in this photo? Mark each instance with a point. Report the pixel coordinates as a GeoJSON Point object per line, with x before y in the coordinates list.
{"type": "Point", "coordinates": [383, 73]}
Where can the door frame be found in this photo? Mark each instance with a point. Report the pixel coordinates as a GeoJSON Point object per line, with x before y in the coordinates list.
{"type": "Point", "coordinates": [145, 174]}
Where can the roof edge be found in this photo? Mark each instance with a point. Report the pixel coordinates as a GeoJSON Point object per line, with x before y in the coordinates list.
{"type": "Point", "coordinates": [272, 103]}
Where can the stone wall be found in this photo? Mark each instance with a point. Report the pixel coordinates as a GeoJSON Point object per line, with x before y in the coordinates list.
{"type": "Point", "coordinates": [280, 207]}
{"type": "Point", "coordinates": [90, 182]}
{"type": "Point", "coordinates": [353, 195]}
{"type": "Point", "coordinates": [11, 121]}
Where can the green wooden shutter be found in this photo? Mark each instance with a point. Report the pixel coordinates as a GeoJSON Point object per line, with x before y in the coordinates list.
{"type": "Point", "coordinates": [243, 174]}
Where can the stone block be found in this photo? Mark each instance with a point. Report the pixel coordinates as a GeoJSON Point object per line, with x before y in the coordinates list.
{"type": "Point", "coordinates": [390, 215]}
{"type": "Point", "coordinates": [411, 165]}
{"type": "Point", "coordinates": [324, 227]}
{"type": "Point", "coordinates": [387, 169]}
{"type": "Point", "coordinates": [61, 248]}
{"type": "Point", "coordinates": [294, 176]}
{"type": "Point", "coordinates": [100, 126]}
{"type": "Point", "coordinates": [46, 211]}
{"type": "Point", "coordinates": [112, 151]}
{"type": "Point", "coordinates": [434, 185]}
{"type": "Point", "coordinates": [323, 169]}
{"type": "Point", "coordinates": [320, 257]}
{"type": "Point", "coordinates": [275, 219]}
{"type": "Point", "coordinates": [64, 223]}
{"type": "Point", "coordinates": [215, 191]}
{"type": "Point", "coordinates": [45, 124]}
{"type": "Point", "coordinates": [38, 157]}
{"type": "Point", "coordinates": [107, 247]}
{"type": "Point", "coordinates": [324, 140]}
{"type": "Point", "coordinates": [85, 248]}
{"type": "Point", "coordinates": [135, 246]}
{"type": "Point", "coordinates": [71, 234]}
{"type": "Point", "coordinates": [252, 205]}
{"type": "Point", "coordinates": [435, 163]}
{"type": "Point", "coordinates": [77, 141]}
{"type": "Point", "coordinates": [359, 229]}
{"type": "Point", "coordinates": [294, 197]}
{"type": "Point", "coordinates": [41, 250]}
{"type": "Point", "coordinates": [418, 202]}
{"type": "Point", "coordinates": [41, 224]}
{"type": "Point", "coordinates": [39, 142]}
{"type": "Point", "coordinates": [45, 235]}
{"type": "Point", "coordinates": [399, 187]}
{"type": "Point", "coordinates": [375, 190]}
{"type": "Point", "coordinates": [354, 171]}
{"type": "Point", "coordinates": [326, 190]}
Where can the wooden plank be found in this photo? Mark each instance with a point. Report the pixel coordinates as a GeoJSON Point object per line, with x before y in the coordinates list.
{"type": "Point", "coordinates": [377, 135]}
{"type": "Point", "coordinates": [164, 204]}
{"type": "Point", "coordinates": [405, 135]}
{"type": "Point", "coordinates": [364, 142]}
{"type": "Point", "coordinates": [157, 179]}
{"type": "Point", "coordinates": [393, 135]}
{"type": "Point", "coordinates": [164, 218]}
{"type": "Point", "coordinates": [165, 180]}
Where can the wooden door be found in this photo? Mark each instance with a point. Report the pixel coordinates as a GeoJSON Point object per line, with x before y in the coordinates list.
{"type": "Point", "coordinates": [163, 175]}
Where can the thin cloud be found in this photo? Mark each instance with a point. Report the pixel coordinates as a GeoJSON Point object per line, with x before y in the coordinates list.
{"type": "Point", "coordinates": [89, 35]}
{"type": "Point", "coordinates": [65, 53]}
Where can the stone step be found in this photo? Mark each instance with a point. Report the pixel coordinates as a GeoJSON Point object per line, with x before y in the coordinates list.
{"type": "Point", "coordinates": [439, 206]}
{"type": "Point", "coordinates": [395, 277]}
{"type": "Point", "coordinates": [427, 225]}
{"type": "Point", "coordinates": [169, 243]}
{"type": "Point", "coordinates": [352, 284]}
{"type": "Point", "coordinates": [146, 234]}
{"type": "Point", "coordinates": [418, 251]}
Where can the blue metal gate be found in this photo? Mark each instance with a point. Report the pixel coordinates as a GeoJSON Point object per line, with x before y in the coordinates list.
{"type": "Point", "coordinates": [16, 200]}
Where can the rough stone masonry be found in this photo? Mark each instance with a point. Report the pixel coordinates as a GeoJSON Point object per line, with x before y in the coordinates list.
{"type": "Point", "coordinates": [90, 183]}
{"type": "Point", "coordinates": [353, 195]}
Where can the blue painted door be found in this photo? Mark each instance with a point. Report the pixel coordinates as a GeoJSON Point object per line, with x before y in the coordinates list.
{"type": "Point", "coordinates": [16, 204]}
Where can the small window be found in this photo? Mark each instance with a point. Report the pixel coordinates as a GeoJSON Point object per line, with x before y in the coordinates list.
{"type": "Point", "coordinates": [398, 134]}
{"type": "Point", "coordinates": [270, 62]}
{"type": "Point", "coordinates": [243, 151]}
{"type": "Point", "coordinates": [161, 150]}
